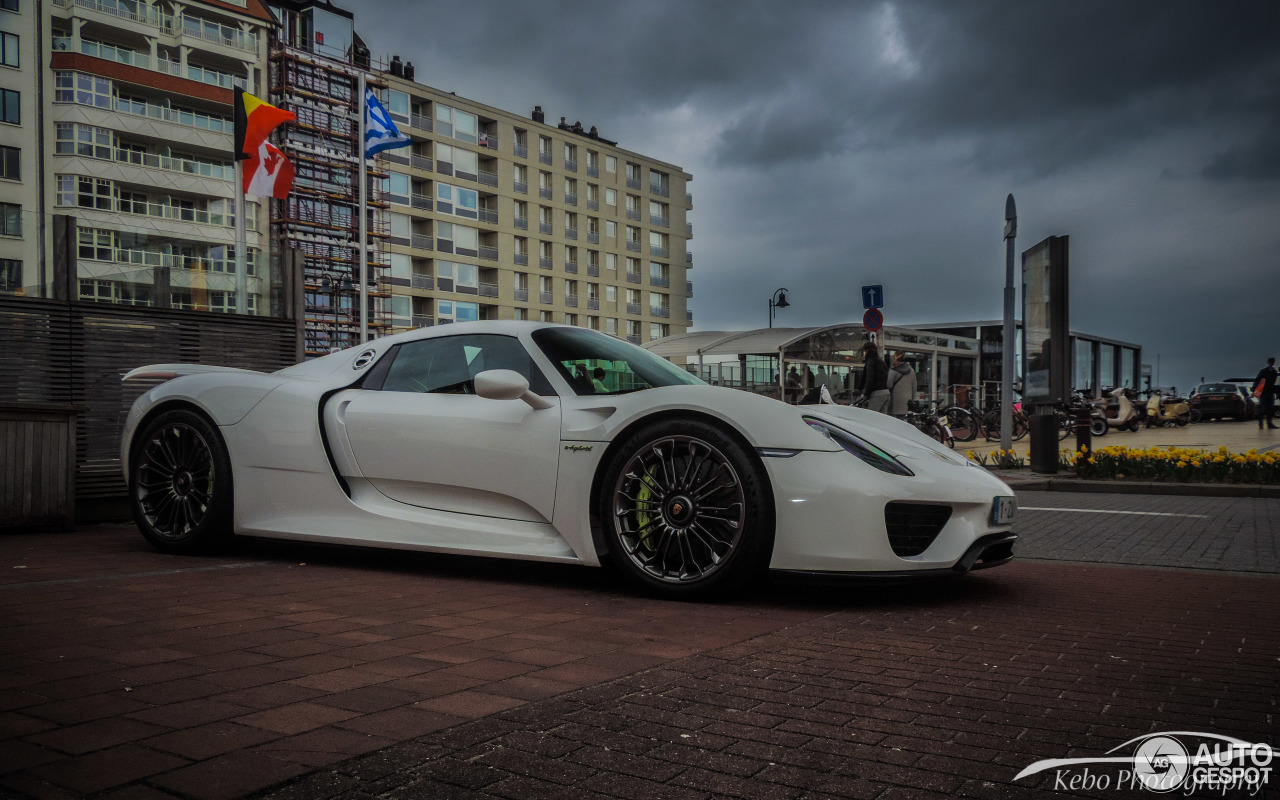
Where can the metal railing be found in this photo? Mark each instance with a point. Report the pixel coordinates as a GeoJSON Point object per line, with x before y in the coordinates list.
{"type": "Point", "coordinates": [633, 183]}
{"type": "Point", "coordinates": [570, 165]}
{"type": "Point", "coordinates": [489, 140]}
{"type": "Point", "coordinates": [688, 316]}
{"type": "Point", "coordinates": [571, 233]}
{"type": "Point", "coordinates": [422, 201]}
{"type": "Point", "coordinates": [571, 267]}
{"type": "Point", "coordinates": [181, 214]}
{"type": "Point", "coordinates": [571, 300]}
{"type": "Point", "coordinates": [688, 258]}
{"type": "Point", "coordinates": [490, 253]}
{"type": "Point", "coordinates": [488, 178]}
{"type": "Point", "coordinates": [488, 289]}
{"type": "Point", "coordinates": [593, 171]}
{"type": "Point", "coordinates": [545, 158]}
{"type": "Point", "coordinates": [633, 338]}
{"type": "Point", "coordinates": [593, 303]}
{"type": "Point", "coordinates": [521, 222]}
{"type": "Point", "coordinates": [520, 150]}
{"type": "Point", "coordinates": [663, 222]}
{"type": "Point", "coordinates": [593, 205]}
{"type": "Point", "coordinates": [488, 215]}
{"type": "Point", "coordinates": [544, 227]}
{"type": "Point", "coordinates": [688, 199]}
{"type": "Point", "coordinates": [420, 162]}
{"type": "Point", "coordinates": [421, 242]}
{"type": "Point", "coordinates": [421, 122]}
{"type": "Point", "coordinates": [521, 258]}
{"type": "Point", "coordinates": [423, 320]}
{"type": "Point", "coordinates": [662, 312]}
{"type": "Point", "coordinates": [520, 187]}
{"type": "Point", "coordinates": [203, 169]}
{"type": "Point", "coordinates": [544, 193]}
{"type": "Point", "coordinates": [419, 281]}
{"type": "Point", "coordinates": [593, 237]}
{"type": "Point", "coordinates": [143, 14]}
{"type": "Point", "coordinates": [522, 295]}
{"type": "Point", "coordinates": [546, 263]}
{"type": "Point", "coordinates": [635, 214]}
{"type": "Point", "coordinates": [688, 228]}
{"type": "Point", "coordinates": [634, 277]}
{"type": "Point", "coordinates": [593, 270]}
{"type": "Point", "coordinates": [688, 288]}
{"type": "Point", "coordinates": [545, 298]}
{"type": "Point", "coordinates": [656, 280]}
{"type": "Point", "coordinates": [633, 246]}
{"type": "Point", "coordinates": [190, 119]}
{"type": "Point", "coordinates": [661, 191]}
{"type": "Point", "coordinates": [570, 199]}
{"type": "Point", "coordinates": [151, 258]}
{"type": "Point", "coordinates": [660, 252]}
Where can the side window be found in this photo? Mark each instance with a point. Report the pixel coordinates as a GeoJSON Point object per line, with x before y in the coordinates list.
{"type": "Point", "coordinates": [449, 364]}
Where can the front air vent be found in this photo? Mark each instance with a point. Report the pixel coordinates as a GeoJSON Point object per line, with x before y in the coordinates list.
{"type": "Point", "coordinates": [913, 526]}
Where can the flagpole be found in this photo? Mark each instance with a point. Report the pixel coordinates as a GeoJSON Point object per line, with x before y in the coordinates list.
{"type": "Point", "coordinates": [242, 276]}
{"type": "Point", "coordinates": [364, 215]}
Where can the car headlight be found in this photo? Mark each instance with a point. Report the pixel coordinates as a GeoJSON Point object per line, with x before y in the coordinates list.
{"type": "Point", "coordinates": [865, 451]}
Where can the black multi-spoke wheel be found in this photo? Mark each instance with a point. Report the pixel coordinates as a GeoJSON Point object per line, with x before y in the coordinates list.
{"type": "Point", "coordinates": [686, 510]}
{"type": "Point", "coordinates": [180, 482]}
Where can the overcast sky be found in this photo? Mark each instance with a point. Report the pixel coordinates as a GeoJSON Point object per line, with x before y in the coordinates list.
{"type": "Point", "coordinates": [836, 144]}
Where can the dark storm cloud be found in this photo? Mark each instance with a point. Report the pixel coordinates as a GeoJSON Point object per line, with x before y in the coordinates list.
{"type": "Point", "coordinates": [840, 143]}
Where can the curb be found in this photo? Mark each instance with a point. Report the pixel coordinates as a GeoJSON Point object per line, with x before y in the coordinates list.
{"type": "Point", "coordinates": [1049, 484]}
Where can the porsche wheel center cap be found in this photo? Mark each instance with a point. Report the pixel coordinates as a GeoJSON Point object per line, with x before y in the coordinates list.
{"type": "Point", "coordinates": [182, 483]}
{"type": "Point", "coordinates": [680, 510]}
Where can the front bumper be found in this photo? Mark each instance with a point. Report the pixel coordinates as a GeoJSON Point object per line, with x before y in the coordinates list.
{"type": "Point", "coordinates": [992, 550]}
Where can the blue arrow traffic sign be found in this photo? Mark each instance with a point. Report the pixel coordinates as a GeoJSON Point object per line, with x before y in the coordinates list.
{"type": "Point", "coordinates": [873, 296]}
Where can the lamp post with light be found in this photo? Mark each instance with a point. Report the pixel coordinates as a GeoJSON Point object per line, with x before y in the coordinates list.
{"type": "Point", "coordinates": [778, 300]}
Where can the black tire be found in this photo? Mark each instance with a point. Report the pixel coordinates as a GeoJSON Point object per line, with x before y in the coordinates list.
{"type": "Point", "coordinates": [1020, 427]}
{"type": "Point", "coordinates": [963, 424]}
{"type": "Point", "coordinates": [937, 431]}
{"type": "Point", "coordinates": [180, 483]}
{"type": "Point", "coordinates": [1099, 426]}
{"type": "Point", "coordinates": [654, 494]}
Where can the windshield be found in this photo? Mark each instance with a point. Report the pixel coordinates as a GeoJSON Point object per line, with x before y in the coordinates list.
{"type": "Point", "coordinates": [594, 363]}
{"type": "Point", "coordinates": [1221, 388]}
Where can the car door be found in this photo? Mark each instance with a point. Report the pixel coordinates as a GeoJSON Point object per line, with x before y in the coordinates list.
{"type": "Point", "coordinates": [423, 437]}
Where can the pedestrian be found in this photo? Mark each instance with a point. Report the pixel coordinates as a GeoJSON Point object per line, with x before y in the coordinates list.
{"type": "Point", "coordinates": [902, 386]}
{"type": "Point", "coordinates": [597, 382]}
{"type": "Point", "coordinates": [1266, 382]}
{"type": "Point", "coordinates": [873, 385]}
{"type": "Point", "coordinates": [793, 385]}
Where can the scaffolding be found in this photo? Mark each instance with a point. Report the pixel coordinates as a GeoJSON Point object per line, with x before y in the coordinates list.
{"type": "Point", "coordinates": [320, 217]}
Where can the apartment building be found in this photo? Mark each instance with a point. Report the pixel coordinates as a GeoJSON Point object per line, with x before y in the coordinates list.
{"type": "Point", "coordinates": [20, 78]}
{"type": "Point", "coordinates": [138, 148]}
{"type": "Point", "coordinates": [493, 215]}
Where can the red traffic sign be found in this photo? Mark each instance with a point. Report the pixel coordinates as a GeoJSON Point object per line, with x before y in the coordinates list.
{"type": "Point", "coordinates": [873, 320]}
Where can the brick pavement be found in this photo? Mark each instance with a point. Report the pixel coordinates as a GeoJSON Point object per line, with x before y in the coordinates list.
{"type": "Point", "coordinates": [905, 692]}
{"type": "Point", "coordinates": [1218, 533]}
{"type": "Point", "coordinates": [337, 671]}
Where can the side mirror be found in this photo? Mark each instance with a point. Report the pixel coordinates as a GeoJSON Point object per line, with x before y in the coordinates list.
{"type": "Point", "coordinates": [507, 384]}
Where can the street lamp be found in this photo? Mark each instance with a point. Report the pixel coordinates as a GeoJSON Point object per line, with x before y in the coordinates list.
{"type": "Point", "coordinates": [778, 300]}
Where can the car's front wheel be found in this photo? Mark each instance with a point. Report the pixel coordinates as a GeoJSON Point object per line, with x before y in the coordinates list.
{"type": "Point", "coordinates": [687, 511]}
{"type": "Point", "coordinates": [180, 483]}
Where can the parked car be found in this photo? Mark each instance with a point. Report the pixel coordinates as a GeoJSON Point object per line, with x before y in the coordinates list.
{"type": "Point", "coordinates": [1222, 400]}
{"type": "Point", "coordinates": [490, 438]}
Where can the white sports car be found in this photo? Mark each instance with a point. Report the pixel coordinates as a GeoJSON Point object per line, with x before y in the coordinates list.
{"type": "Point", "coordinates": [551, 443]}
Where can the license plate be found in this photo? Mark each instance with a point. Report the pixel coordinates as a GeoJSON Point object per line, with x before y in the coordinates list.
{"type": "Point", "coordinates": [1003, 509]}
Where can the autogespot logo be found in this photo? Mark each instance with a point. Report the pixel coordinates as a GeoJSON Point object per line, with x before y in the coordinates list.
{"type": "Point", "coordinates": [1182, 762]}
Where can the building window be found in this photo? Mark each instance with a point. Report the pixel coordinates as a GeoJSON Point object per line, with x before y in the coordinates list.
{"type": "Point", "coordinates": [611, 261]}
{"type": "Point", "coordinates": [10, 275]}
{"type": "Point", "coordinates": [611, 294]}
{"type": "Point", "coordinates": [610, 229]}
{"type": "Point", "coordinates": [9, 5]}
{"type": "Point", "coordinates": [657, 330]}
{"type": "Point", "coordinates": [9, 49]}
{"type": "Point", "coordinates": [93, 244]}
{"type": "Point", "coordinates": [610, 164]}
{"type": "Point", "coordinates": [84, 192]}
{"type": "Point", "coordinates": [89, 90]}
{"type": "Point", "coordinates": [11, 163]}
{"type": "Point", "coordinates": [82, 140]}
{"type": "Point", "coordinates": [9, 107]}
{"type": "Point", "coordinates": [12, 214]}
{"type": "Point", "coordinates": [610, 197]}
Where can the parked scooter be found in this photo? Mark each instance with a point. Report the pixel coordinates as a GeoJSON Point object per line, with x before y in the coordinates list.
{"type": "Point", "coordinates": [1126, 416]}
{"type": "Point", "coordinates": [1160, 413]}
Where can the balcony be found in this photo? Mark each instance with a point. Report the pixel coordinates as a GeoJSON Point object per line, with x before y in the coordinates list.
{"type": "Point", "coordinates": [421, 162]}
{"type": "Point", "coordinates": [634, 309]}
{"type": "Point", "coordinates": [688, 288]}
{"type": "Point", "coordinates": [421, 242]}
{"type": "Point", "coordinates": [423, 320]}
{"type": "Point", "coordinates": [488, 289]}
{"type": "Point", "coordinates": [633, 247]}
{"type": "Point", "coordinates": [593, 237]}
{"type": "Point", "coordinates": [422, 201]}
{"type": "Point", "coordinates": [422, 123]}
{"type": "Point", "coordinates": [545, 158]}
{"type": "Point", "coordinates": [688, 317]}
{"type": "Point", "coordinates": [688, 229]}
{"type": "Point", "coordinates": [661, 191]}
{"type": "Point", "coordinates": [593, 205]}
{"type": "Point", "coordinates": [571, 300]}
{"type": "Point", "coordinates": [593, 303]}
{"type": "Point", "coordinates": [488, 178]}
{"type": "Point", "coordinates": [593, 270]}
{"type": "Point", "coordinates": [633, 338]}
{"type": "Point", "coordinates": [545, 298]}
{"type": "Point", "coordinates": [571, 267]}
{"type": "Point", "coordinates": [545, 194]}
{"type": "Point", "coordinates": [520, 187]}
{"type": "Point", "coordinates": [593, 171]}
{"type": "Point", "coordinates": [544, 228]}
{"type": "Point", "coordinates": [660, 252]}
{"type": "Point", "coordinates": [522, 295]}
{"type": "Point", "coordinates": [203, 169]}
{"type": "Point", "coordinates": [633, 183]}
{"type": "Point", "coordinates": [570, 165]}
{"type": "Point", "coordinates": [688, 258]}
{"type": "Point", "coordinates": [546, 263]}
{"type": "Point", "coordinates": [688, 199]}
{"type": "Point", "coordinates": [634, 214]}
{"type": "Point", "coordinates": [570, 199]}
{"type": "Point", "coordinates": [661, 222]}
{"type": "Point", "coordinates": [489, 140]}
{"type": "Point", "coordinates": [396, 158]}
{"type": "Point", "coordinates": [659, 281]}
{"type": "Point", "coordinates": [520, 150]}
{"type": "Point", "coordinates": [419, 281]}
{"type": "Point", "coordinates": [521, 259]}
{"type": "Point", "coordinates": [634, 277]}
{"type": "Point", "coordinates": [489, 215]}
{"type": "Point", "coordinates": [662, 312]}
{"type": "Point", "coordinates": [571, 233]}
{"type": "Point", "coordinates": [490, 253]}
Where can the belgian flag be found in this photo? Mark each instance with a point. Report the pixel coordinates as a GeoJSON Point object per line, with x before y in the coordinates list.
{"type": "Point", "coordinates": [268, 173]}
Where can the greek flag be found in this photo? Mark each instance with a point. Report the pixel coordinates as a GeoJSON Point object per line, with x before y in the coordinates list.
{"type": "Point", "coordinates": [380, 133]}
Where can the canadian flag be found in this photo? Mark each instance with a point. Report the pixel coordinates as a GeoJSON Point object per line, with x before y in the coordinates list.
{"type": "Point", "coordinates": [268, 173]}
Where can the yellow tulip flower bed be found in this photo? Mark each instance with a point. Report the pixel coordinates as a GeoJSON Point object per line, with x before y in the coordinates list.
{"type": "Point", "coordinates": [1172, 464]}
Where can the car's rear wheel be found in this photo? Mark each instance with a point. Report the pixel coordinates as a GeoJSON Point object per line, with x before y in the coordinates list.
{"type": "Point", "coordinates": [180, 483]}
{"type": "Point", "coordinates": [687, 511]}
